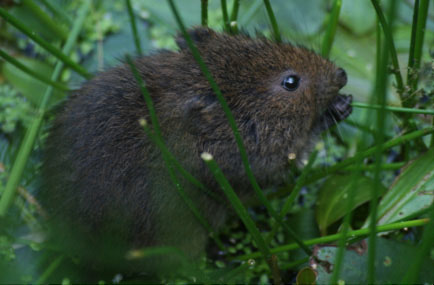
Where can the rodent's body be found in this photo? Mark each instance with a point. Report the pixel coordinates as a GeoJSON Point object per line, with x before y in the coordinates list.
{"type": "Point", "coordinates": [106, 182]}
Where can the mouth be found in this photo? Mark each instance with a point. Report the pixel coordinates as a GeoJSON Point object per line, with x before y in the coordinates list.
{"type": "Point", "coordinates": [338, 110]}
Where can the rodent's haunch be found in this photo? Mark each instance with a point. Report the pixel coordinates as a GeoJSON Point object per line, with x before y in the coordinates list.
{"type": "Point", "coordinates": [107, 188]}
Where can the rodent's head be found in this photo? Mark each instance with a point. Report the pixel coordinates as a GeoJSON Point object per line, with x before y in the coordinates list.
{"type": "Point", "coordinates": [279, 93]}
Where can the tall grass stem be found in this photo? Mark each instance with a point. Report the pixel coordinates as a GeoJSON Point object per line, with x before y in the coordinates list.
{"type": "Point", "coordinates": [331, 29]}
{"type": "Point", "coordinates": [272, 17]}
{"type": "Point", "coordinates": [232, 124]}
{"type": "Point", "coordinates": [32, 73]}
{"type": "Point", "coordinates": [168, 162]}
{"type": "Point", "coordinates": [49, 47]}
{"type": "Point", "coordinates": [389, 39]}
{"type": "Point", "coordinates": [32, 132]}
{"type": "Point", "coordinates": [134, 28]}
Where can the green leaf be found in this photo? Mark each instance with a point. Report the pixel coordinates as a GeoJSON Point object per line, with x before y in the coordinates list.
{"type": "Point", "coordinates": [306, 276]}
{"type": "Point", "coordinates": [411, 191]}
{"type": "Point", "coordinates": [332, 199]}
{"type": "Point", "coordinates": [31, 88]}
{"type": "Point", "coordinates": [392, 262]}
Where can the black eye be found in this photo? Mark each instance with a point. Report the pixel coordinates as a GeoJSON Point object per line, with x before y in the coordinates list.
{"type": "Point", "coordinates": [291, 82]}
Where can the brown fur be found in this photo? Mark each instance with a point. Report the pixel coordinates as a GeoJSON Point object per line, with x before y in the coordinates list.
{"type": "Point", "coordinates": [106, 183]}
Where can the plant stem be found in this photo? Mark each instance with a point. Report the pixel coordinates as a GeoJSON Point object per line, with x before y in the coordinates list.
{"type": "Point", "coordinates": [204, 13]}
{"type": "Point", "coordinates": [32, 73]}
{"type": "Point", "coordinates": [363, 154]}
{"type": "Point", "coordinates": [55, 28]}
{"type": "Point", "coordinates": [54, 51]}
{"type": "Point", "coordinates": [226, 24]}
{"type": "Point", "coordinates": [394, 109]}
{"type": "Point", "coordinates": [134, 28]}
{"type": "Point", "coordinates": [232, 124]}
{"type": "Point", "coordinates": [389, 39]}
{"type": "Point", "coordinates": [273, 21]}
{"type": "Point", "coordinates": [335, 237]}
{"type": "Point", "coordinates": [32, 133]}
{"type": "Point", "coordinates": [168, 162]}
{"type": "Point", "coordinates": [331, 29]}
{"type": "Point", "coordinates": [237, 205]}
{"type": "Point", "coordinates": [419, 38]}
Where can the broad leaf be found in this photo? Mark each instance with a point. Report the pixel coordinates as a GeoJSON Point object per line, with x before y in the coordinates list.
{"type": "Point", "coordinates": [333, 197]}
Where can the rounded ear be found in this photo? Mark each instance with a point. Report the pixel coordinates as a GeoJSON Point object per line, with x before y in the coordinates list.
{"type": "Point", "coordinates": [199, 36]}
{"type": "Point", "coordinates": [197, 110]}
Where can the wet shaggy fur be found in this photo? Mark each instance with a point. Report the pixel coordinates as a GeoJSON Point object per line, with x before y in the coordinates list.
{"type": "Point", "coordinates": [107, 188]}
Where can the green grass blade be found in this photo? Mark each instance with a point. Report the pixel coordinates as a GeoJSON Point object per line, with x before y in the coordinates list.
{"type": "Point", "coordinates": [339, 257]}
{"type": "Point", "coordinates": [30, 72]}
{"type": "Point", "coordinates": [54, 51]}
{"type": "Point", "coordinates": [273, 21]}
{"type": "Point", "coordinates": [389, 39]}
{"type": "Point", "coordinates": [59, 13]}
{"type": "Point", "coordinates": [418, 43]}
{"type": "Point", "coordinates": [294, 193]}
{"type": "Point", "coordinates": [237, 204]}
{"type": "Point", "coordinates": [32, 133]}
{"type": "Point", "coordinates": [335, 237]}
{"type": "Point", "coordinates": [380, 92]}
{"type": "Point", "coordinates": [235, 9]}
{"type": "Point", "coordinates": [394, 109]}
{"type": "Point", "coordinates": [166, 158]}
{"type": "Point", "coordinates": [331, 29]}
{"type": "Point", "coordinates": [423, 251]}
{"type": "Point", "coordinates": [51, 268]}
{"type": "Point", "coordinates": [45, 19]}
{"type": "Point", "coordinates": [226, 24]}
{"type": "Point", "coordinates": [410, 71]}
{"type": "Point", "coordinates": [204, 12]}
{"type": "Point", "coordinates": [370, 151]}
{"type": "Point", "coordinates": [232, 124]}
{"type": "Point", "coordinates": [134, 28]}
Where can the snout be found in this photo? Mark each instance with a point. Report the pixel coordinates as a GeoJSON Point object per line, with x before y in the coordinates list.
{"type": "Point", "coordinates": [341, 77]}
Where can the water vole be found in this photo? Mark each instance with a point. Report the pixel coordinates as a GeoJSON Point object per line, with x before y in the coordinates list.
{"type": "Point", "coordinates": [106, 184]}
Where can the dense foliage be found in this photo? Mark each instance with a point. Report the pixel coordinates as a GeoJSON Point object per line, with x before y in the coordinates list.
{"type": "Point", "coordinates": [378, 165]}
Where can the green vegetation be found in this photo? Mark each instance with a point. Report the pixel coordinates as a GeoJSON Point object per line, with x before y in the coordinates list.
{"type": "Point", "coordinates": [367, 187]}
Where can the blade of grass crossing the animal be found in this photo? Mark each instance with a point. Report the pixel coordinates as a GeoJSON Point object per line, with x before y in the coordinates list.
{"type": "Point", "coordinates": [335, 237]}
{"type": "Point", "coordinates": [31, 134]}
{"type": "Point", "coordinates": [134, 28]}
{"type": "Point", "coordinates": [422, 252]}
{"type": "Point", "coordinates": [204, 12]}
{"type": "Point", "coordinates": [389, 39]}
{"type": "Point", "coordinates": [331, 29]}
{"type": "Point", "coordinates": [166, 157]}
{"type": "Point", "coordinates": [232, 124]}
{"type": "Point", "coordinates": [380, 92]}
{"type": "Point", "coordinates": [224, 7]}
{"type": "Point", "coordinates": [394, 109]}
{"type": "Point", "coordinates": [50, 48]}
{"type": "Point", "coordinates": [294, 193]}
{"type": "Point", "coordinates": [273, 21]}
{"type": "Point", "coordinates": [418, 42]}
{"type": "Point", "coordinates": [237, 205]}
{"type": "Point", "coordinates": [370, 151]}
{"type": "Point", "coordinates": [32, 73]}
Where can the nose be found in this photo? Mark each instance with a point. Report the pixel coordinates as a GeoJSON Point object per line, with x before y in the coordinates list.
{"type": "Point", "coordinates": [341, 76]}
